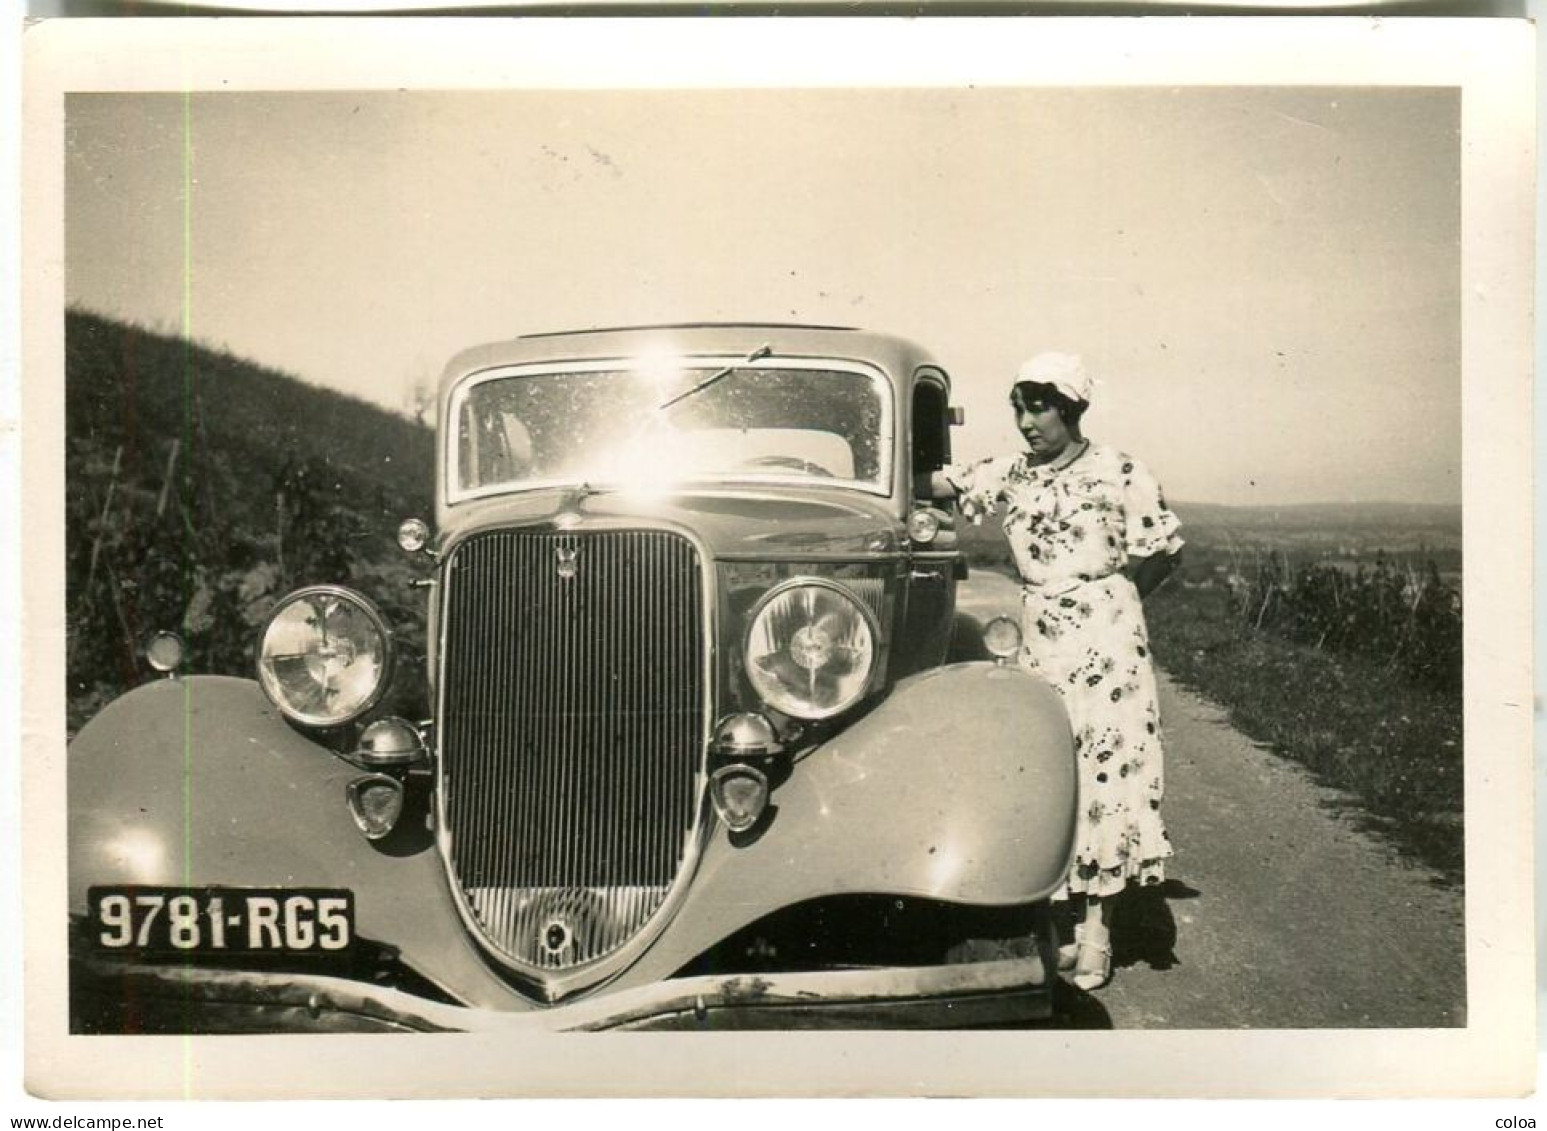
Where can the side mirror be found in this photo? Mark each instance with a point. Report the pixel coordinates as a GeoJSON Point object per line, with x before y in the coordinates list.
{"type": "Point", "coordinates": [957, 415]}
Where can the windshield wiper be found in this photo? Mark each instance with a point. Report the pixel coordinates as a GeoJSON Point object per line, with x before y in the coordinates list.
{"type": "Point", "coordinates": [758, 354]}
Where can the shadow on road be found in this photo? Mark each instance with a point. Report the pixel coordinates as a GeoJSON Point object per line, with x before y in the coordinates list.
{"type": "Point", "coordinates": [1073, 1008]}
{"type": "Point", "coordinates": [966, 640]}
{"type": "Point", "coordinates": [1435, 844]}
{"type": "Point", "coordinates": [1144, 930]}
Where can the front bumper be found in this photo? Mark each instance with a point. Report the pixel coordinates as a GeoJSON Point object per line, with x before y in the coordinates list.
{"type": "Point", "coordinates": [165, 998]}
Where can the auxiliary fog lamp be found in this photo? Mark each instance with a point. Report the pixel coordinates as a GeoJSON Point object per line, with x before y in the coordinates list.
{"type": "Point", "coordinates": [739, 789]}
{"type": "Point", "coordinates": [389, 743]}
{"type": "Point", "coordinates": [375, 803]}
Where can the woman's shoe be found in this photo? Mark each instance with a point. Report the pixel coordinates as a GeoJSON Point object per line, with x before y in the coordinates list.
{"type": "Point", "coordinates": [1092, 965]}
{"type": "Point", "coordinates": [1070, 950]}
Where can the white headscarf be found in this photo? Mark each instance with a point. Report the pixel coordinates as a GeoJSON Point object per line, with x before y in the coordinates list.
{"type": "Point", "coordinates": [1064, 371]}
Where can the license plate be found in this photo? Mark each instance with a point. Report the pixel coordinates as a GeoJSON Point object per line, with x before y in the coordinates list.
{"type": "Point", "coordinates": [221, 920]}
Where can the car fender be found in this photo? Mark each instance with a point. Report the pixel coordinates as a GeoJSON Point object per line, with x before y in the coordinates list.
{"type": "Point", "coordinates": [200, 781]}
{"type": "Point", "coordinates": [961, 786]}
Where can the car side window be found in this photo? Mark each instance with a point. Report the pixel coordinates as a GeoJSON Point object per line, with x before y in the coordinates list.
{"type": "Point", "coordinates": [931, 430]}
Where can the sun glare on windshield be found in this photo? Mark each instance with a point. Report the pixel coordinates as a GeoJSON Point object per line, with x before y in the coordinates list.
{"type": "Point", "coordinates": [662, 422]}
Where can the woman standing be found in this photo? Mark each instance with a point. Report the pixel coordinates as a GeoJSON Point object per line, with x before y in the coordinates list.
{"type": "Point", "coordinates": [1091, 537]}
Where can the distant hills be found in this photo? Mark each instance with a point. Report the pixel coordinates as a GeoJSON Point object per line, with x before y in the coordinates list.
{"type": "Point", "coordinates": [1340, 529]}
{"type": "Point", "coordinates": [1350, 531]}
{"type": "Point", "coordinates": [1438, 517]}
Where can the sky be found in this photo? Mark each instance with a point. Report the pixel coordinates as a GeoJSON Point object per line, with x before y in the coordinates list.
{"type": "Point", "coordinates": [1265, 282]}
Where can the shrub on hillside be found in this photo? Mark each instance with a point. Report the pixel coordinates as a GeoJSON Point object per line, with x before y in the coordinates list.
{"type": "Point", "coordinates": [1406, 617]}
{"type": "Point", "coordinates": [202, 489]}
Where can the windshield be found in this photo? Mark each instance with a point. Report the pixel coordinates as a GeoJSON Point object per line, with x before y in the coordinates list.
{"type": "Point", "coordinates": [624, 427]}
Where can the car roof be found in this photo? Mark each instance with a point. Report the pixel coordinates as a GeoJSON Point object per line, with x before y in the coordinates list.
{"type": "Point", "coordinates": [897, 356]}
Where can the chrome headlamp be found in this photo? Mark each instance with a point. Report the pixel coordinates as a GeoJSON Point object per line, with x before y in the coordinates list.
{"type": "Point", "coordinates": [811, 649]}
{"type": "Point", "coordinates": [325, 656]}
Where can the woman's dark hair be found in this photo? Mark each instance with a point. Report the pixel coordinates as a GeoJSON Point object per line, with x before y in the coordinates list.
{"type": "Point", "coordinates": [1069, 410]}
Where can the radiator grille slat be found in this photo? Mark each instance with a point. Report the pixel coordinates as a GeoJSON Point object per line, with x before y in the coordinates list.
{"type": "Point", "coordinates": [573, 733]}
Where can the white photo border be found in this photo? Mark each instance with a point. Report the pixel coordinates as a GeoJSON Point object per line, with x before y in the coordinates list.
{"type": "Point", "coordinates": [1490, 61]}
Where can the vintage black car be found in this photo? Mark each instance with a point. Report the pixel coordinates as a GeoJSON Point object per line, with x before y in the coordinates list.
{"type": "Point", "coordinates": [701, 754]}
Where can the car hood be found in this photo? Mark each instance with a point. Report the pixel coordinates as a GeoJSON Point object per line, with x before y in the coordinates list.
{"type": "Point", "coordinates": [763, 523]}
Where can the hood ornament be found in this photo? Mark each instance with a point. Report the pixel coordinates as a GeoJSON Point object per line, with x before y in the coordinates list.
{"type": "Point", "coordinates": [567, 555]}
{"type": "Point", "coordinates": [567, 515]}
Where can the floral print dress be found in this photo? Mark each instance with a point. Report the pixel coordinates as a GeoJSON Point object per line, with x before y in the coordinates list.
{"type": "Point", "coordinates": [1072, 529]}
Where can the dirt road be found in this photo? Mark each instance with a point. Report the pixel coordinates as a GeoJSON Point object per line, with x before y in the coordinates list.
{"type": "Point", "coordinates": [1280, 910]}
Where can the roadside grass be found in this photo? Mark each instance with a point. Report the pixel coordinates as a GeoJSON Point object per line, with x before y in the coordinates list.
{"type": "Point", "coordinates": [1361, 725]}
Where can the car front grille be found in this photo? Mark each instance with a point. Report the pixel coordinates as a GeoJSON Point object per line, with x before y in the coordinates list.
{"type": "Point", "coordinates": [572, 734]}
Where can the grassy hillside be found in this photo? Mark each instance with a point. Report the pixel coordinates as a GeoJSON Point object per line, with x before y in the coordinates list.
{"type": "Point", "coordinates": [200, 487]}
